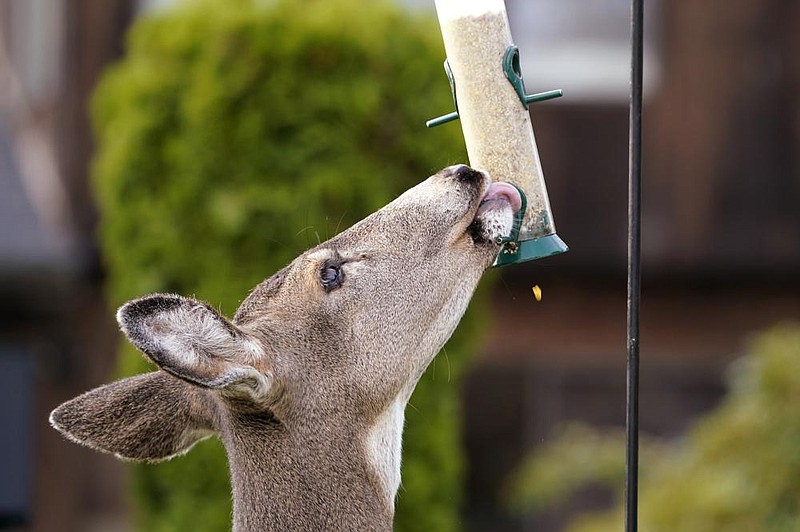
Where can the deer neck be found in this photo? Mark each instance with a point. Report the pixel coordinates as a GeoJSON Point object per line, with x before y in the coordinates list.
{"type": "Point", "coordinates": [323, 476]}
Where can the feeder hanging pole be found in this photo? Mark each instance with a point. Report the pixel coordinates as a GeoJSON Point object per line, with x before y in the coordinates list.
{"type": "Point", "coordinates": [634, 268]}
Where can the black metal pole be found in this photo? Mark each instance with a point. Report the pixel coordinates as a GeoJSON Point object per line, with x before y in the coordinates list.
{"type": "Point", "coordinates": [634, 269]}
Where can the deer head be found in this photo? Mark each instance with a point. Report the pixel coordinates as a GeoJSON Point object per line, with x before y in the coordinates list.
{"type": "Point", "coordinates": [307, 385]}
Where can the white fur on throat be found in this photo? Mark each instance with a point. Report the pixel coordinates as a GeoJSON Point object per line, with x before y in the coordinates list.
{"type": "Point", "coordinates": [384, 447]}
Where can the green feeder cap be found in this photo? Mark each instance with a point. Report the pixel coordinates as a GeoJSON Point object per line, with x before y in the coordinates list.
{"type": "Point", "coordinates": [514, 251]}
{"type": "Point", "coordinates": [525, 250]}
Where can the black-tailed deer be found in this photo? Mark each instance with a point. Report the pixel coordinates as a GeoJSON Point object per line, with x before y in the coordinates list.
{"type": "Point", "coordinates": [307, 385]}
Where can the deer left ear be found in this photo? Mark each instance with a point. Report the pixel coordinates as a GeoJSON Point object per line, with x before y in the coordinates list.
{"type": "Point", "coordinates": [149, 417]}
{"type": "Point", "coordinates": [194, 342]}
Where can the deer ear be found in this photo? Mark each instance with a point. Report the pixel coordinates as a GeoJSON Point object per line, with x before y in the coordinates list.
{"type": "Point", "coordinates": [191, 340]}
{"type": "Point", "coordinates": [149, 417]}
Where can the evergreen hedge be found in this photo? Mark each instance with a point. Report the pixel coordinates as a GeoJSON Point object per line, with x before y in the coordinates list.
{"type": "Point", "coordinates": [233, 136]}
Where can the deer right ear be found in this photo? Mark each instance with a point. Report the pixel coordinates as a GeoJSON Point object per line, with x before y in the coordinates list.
{"type": "Point", "coordinates": [194, 342]}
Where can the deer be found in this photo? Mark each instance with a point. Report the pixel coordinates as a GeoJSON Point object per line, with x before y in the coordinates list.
{"type": "Point", "coordinates": [307, 385]}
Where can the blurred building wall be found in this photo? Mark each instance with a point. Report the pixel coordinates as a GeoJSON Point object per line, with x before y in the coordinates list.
{"type": "Point", "coordinates": [56, 334]}
{"type": "Point", "coordinates": [721, 243]}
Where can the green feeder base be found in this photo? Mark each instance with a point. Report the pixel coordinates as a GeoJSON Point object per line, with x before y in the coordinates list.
{"type": "Point", "coordinates": [525, 250]}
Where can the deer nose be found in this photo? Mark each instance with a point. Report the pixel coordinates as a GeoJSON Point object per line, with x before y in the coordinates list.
{"type": "Point", "coordinates": [465, 174]}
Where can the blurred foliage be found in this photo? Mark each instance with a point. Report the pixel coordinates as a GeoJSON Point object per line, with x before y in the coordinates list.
{"type": "Point", "coordinates": [236, 134]}
{"type": "Point", "coordinates": [577, 455]}
{"type": "Point", "coordinates": [737, 468]}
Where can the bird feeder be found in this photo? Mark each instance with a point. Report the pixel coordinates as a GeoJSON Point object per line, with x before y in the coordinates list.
{"type": "Point", "coordinates": [491, 102]}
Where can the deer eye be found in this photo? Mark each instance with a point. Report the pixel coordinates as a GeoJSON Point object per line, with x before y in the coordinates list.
{"type": "Point", "coordinates": [331, 276]}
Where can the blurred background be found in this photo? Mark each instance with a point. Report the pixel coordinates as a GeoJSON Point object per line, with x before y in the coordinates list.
{"type": "Point", "coordinates": [198, 146]}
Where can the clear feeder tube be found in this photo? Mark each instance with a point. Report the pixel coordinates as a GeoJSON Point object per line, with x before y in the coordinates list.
{"type": "Point", "coordinates": [495, 121]}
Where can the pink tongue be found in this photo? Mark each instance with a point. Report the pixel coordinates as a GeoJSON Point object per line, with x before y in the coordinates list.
{"type": "Point", "coordinates": [505, 191]}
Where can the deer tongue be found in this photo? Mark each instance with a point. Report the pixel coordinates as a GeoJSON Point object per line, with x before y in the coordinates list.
{"type": "Point", "coordinates": [500, 192]}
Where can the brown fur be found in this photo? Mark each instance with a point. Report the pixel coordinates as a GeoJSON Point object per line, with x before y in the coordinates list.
{"type": "Point", "coordinates": [306, 386]}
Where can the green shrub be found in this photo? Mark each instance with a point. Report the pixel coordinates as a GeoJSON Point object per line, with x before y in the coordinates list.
{"type": "Point", "coordinates": [737, 469]}
{"type": "Point", "coordinates": [236, 134]}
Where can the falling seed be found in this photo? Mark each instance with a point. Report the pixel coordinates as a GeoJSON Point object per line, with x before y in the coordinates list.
{"type": "Point", "coordinates": [537, 292]}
